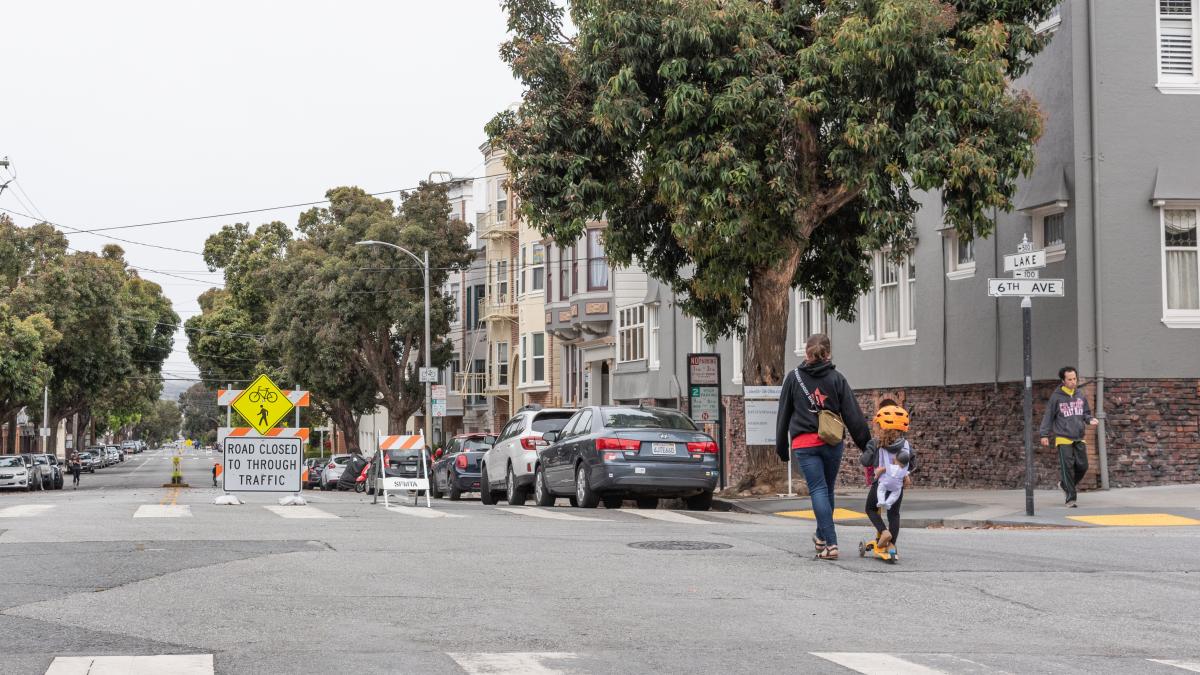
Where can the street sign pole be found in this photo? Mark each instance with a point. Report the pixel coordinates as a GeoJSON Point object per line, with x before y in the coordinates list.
{"type": "Point", "coordinates": [46, 419]}
{"type": "Point", "coordinates": [428, 356]}
{"type": "Point", "coordinates": [1027, 339]}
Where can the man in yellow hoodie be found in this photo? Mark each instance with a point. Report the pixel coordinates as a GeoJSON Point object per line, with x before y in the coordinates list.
{"type": "Point", "coordinates": [1067, 418]}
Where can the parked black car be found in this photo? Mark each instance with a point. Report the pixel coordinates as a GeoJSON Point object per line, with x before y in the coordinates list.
{"type": "Point", "coordinates": [315, 466]}
{"type": "Point", "coordinates": [456, 469]}
{"type": "Point", "coordinates": [611, 453]}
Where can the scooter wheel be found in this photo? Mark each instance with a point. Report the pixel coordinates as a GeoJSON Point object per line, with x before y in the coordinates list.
{"type": "Point", "coordinates": [862, 549]}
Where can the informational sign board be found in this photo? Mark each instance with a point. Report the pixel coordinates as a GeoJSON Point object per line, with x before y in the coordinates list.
{"type": "Point", "coordinates": [260, 463]}
{"type": "Point", "coordinates": [1026, 274]}
{"type": "Point", "coordinates": [428, 375]}
{"type": "Point", "coordinates": [762, 408]}
{"type": "Point", "coordinates": [439, 400]}
{"type": "Point", "coordinates": [705, 403]}
{"type": "Point", "coordinates": [262, 404]}
{"type": "Point", "coordinates": [405, 483]}
{"type": "Point", "coordinates": [1025, 261]}
{"type": "Point", "coordinates": [704, 369]}
{"type": "Point", "coordinates": [1026, 288]}
{"type": "Point", "coordinates": [389, 484]}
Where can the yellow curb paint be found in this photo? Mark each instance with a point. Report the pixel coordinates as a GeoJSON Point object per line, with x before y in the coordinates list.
{"type": "Point", "coordinates": [838, 514]}
{"type": "Point", "coordinates": [1137, 520]}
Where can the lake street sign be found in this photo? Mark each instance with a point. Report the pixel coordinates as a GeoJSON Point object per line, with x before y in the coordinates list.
{"type": "Point", "coordinates": [1025, 261]}
{"type": "Point", "coordinates": [1026, 274]}
{"type": "Point", "coordinates": [1026, 288]}
{"type": "Point", "coordinates": [262, 404]}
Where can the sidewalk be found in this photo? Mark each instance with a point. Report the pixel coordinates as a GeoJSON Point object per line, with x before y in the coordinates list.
{"type": "Point", "coordinates": [1169, 505]}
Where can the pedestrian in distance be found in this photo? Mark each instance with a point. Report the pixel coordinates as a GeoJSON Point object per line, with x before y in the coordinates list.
{"type": "Point", "coordinates": [216, 471]}
{"type": "Point", "coordinates": [892, 458]}
{"type": "Point", "coordinates": [75, 466]}
{"type": "Point", "coordinates": [816, 407]}
{"type": "Point", "coordinates": [1067, 418]}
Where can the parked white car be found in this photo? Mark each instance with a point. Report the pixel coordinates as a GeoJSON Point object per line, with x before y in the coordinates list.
{"type": "Point", "coordinates": [14, 473]}
{"type": "Point", "coordinates": [508, 467]}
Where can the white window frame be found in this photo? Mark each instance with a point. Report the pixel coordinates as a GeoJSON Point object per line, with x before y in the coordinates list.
{"type": "Point", "coordinates": [631, 334]}
{"type": "Point", "coordinates": [811, 310]}
{"type": "Point", "coordinates": [1052, 21]}
{"type": "Point", "coordinates": [537, 264]}
{"type": "Point", "coordinates": [1174, 318]}
{"type": "Point", "coordinates": [536, 358]}
{"type": "Point", "coordinates": [906, 334]}
{"type": "Point", "coordinates": [699, 346]}
{"type": "Point", "coordinates": [736, 345]}
{"type": "Point", "coordinates": [502, 363]}
{"type": "Point", "coordinates": [524, 359]}
{"type": "Point", "coordinates": [521, 287]}
{"type": "Point", "coordinates": [653, 349]}
{"type": "Point", "coordinates": [1037, 231]}
{"type": "Point", "coordinates": [956, 268]}
{"type": "Point", "coordinates": [1178, 84]}
{"type": "Point", "coordinates": [501, 201]}
{"type": "Point", "coordinates": [456, 296]}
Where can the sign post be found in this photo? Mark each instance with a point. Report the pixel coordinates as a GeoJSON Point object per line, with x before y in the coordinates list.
{"type": "Point", "coordinates": [1026, 284]}
{"type": "Point", "coordinates": [704, 398]}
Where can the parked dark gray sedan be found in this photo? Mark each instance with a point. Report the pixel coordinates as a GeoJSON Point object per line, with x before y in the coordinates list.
{"type": "Point", "coordinates": [612, 453]}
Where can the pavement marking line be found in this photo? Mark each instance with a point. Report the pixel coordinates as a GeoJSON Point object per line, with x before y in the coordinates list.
{"type": "Point", "coordinates": [25, 510]}
{"type": "Point", "coordinates": [670, 517]}
{"type": "Point", "coordinates": [838, 514]}
{"type": "Point", "coordinates": [1193, 666]}
{"type": "Point", "coordinates": [176, 664]}
{"type": "Point", "coordinates": [1137, 520]}
{"type": "Point", "coordinates": [421, 512]}
{"type": "Point", "coordinates": [869, 663]}
{"type": "Point", "coordinates": [550, 513]}
{"type": "Point", "coordinates": [163, 511]}
{"type": "Point", "coordinates": [511, 663]}
{"type": "Point", "coordinates": [298, 511]}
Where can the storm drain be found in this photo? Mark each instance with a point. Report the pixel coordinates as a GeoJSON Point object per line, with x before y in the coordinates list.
{"type": "Point", "coordinates": [679, 545]}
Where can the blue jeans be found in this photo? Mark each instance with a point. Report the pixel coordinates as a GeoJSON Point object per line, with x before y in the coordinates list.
{"type": "Point", "coordinates": [820, 466]}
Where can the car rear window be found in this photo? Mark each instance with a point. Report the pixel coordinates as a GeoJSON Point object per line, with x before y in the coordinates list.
{"type": "Point", "coordinates": [551, 421]}
{"type": "Point", "coordinates": [340, 460]}
{"type": "Point", "coordinates": [401, 455]}
{"type": "Point", "coordinates": [640, 418]}
{"type": "Point", "coordinates": [475, 445]}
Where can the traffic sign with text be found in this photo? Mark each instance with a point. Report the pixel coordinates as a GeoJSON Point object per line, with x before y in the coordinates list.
{"type": "Point", "coordinates": [1027, 288]}
{"type": "Point", "coordinates": [1025, 261]}
{"type": "Point", "coordinates": [262, 404]}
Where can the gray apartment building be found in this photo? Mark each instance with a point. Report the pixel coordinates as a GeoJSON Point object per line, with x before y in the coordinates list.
{"type": "Point", "coordinates": [1114, 202]}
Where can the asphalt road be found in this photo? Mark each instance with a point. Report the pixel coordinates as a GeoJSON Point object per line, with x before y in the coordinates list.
{"type": "Point", "coordinates": [122, 567]}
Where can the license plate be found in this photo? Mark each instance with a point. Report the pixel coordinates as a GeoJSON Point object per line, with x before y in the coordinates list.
{"type": "Point", "coordinates": [639, 469]}
{"type": "Point", "coordinates": [662, 449]}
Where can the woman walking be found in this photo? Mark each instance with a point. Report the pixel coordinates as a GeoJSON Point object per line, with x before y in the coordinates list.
{"type": "Point", "coordinates": [816, 407]}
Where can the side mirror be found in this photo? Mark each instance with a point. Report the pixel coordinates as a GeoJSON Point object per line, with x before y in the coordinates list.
{"type": "Point", "coordinates": [550, 436]}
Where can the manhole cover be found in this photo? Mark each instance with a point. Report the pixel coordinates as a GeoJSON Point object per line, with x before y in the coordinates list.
{"type": "Point", "coordinates": [679, 545]}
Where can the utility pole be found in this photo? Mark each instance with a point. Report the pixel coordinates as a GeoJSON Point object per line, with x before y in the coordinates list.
{"type": "Point", "coordinates": [45, 430]}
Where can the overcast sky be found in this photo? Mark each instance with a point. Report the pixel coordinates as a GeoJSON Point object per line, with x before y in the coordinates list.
{"type": "Point", "coordinates": [128, 112]}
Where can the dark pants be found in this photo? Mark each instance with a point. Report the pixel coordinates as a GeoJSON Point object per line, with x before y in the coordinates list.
{"type": "Point", "coordinates": [893, 514]}
{"type": "Point", "coordinates": [75, 475]}
{"type": "Point", "coordinates": [1072, 464]}
{"type": "Point", "coordinates": [820, 467]}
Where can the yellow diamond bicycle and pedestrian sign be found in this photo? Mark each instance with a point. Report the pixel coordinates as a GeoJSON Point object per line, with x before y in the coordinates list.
{"type": "Point", "coordinates": [262, 404]}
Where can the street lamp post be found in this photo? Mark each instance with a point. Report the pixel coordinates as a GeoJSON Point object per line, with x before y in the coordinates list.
{"type": "Point", "coordinates": [428, 358]}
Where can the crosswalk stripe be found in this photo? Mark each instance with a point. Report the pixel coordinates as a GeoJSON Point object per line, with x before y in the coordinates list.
{"type": "Point", "coordinates": [869, 663]}
{"type": "Point", "coordinates": [1193, 666]}
{"type": "Point", "coordinates": [510, 663]}
{"type": "Point", "coordinates": [670, 517]}
{"type": "Point", "coordinates": [176, 664]}
{"type": "Point", "coordinates": [422, 512]}
{"type": "Point", "coordinates": [24, 510]}
{"type": "Point", "coordinates": [549, 513]}
{"type": "Point", "coordinates": [298, 511]}
{"type": "Point", "coordinates": [163, 511]}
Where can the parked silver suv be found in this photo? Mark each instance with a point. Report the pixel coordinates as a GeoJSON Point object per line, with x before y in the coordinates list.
{"type": "Point", "coordinates": [508, 467]}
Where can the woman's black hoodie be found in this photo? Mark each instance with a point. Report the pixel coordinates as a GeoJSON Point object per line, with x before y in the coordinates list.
{"type": "Point", "coordinates": [831, 392]}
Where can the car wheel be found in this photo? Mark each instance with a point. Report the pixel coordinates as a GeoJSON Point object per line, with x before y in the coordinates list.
{"type": "Point", "coordinates": [612, 501]}
{"type": "Point", "coordinates": [647, 502]}
{"type": "Point", "coordinates": [700, 502]}
{"type": "Point", "coordinates": [541, 492]}
{"type": "Point", "coordinates": [59, 484]}
{"type": "Point", "coordinates": [584, 496]}
{"type": "Point", "coordinates": [433, 487]}
{"type": "Point", "coordinates": [514, 494]}
{"type": "Point", "coordinates": [455, 493]}
{"type": "Point", "coordinates": [485, 491]}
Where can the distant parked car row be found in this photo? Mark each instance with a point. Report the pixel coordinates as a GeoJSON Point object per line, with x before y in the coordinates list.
{"type": "Point", "coordinates": [590, 456]}
{"type": "Point", "coordinates": [30, 471]}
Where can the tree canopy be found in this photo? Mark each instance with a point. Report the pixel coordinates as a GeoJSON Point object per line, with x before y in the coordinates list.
{"type": "Point", "coordinates": [740, 148]}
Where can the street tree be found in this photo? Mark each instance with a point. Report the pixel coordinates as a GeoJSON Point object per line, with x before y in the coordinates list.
{"type": "Point", "coordinates": [742, 148]}
{"type": "Point", "coordinates": [23, 369]}
{"type": "Point", "coordinates": [200, 412]}
{"type": "Point", "coordinates": [161, 424]}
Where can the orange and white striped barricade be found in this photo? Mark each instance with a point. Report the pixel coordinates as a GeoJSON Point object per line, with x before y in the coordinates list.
{"type": "Point", "coordinates": [387, 483]}
{"type": "Point", "coordinates": [254, 462]}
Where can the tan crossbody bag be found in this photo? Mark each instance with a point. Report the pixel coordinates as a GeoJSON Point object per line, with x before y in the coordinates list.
{"type": "Point", "coordinates": [830, 427]}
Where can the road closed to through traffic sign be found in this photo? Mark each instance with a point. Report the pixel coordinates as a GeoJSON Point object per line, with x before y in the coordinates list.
{"type": "Point", "coordinates": [261, 463]}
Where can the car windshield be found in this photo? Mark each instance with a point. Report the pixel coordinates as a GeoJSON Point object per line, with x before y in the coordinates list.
{"type": "Point", "coordinates": [11, 461]}
{"type": "Point", "coordinates": [40, 460]}
{"type": "Point", "coordinates": [553, 421]}
{"type": "Point", "coordinates": [641, 418]}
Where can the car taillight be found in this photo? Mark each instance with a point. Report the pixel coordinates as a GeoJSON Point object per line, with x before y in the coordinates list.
{"type": "Point", "coordinates": [387, 461]}
{"type": "Point", "coordinates": [461, 461]}
{"type": "Point", "coordinates": [626, 444]}
{"type": "Point", "coordinates": [533, 443]}
{"type": "Point", "coordinates": [332, 465]}
{"type": "Point", "coordinates": [703, 447]}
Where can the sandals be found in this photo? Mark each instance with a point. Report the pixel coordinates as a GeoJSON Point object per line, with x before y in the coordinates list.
{"type": "Point", "coordinates": [820, 545]}
{"type": "Point", "coordinates": [828, 553]}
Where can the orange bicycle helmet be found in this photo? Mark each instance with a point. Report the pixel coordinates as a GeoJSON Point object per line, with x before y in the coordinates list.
{"type": "Point", "coordinates": [892, 417]}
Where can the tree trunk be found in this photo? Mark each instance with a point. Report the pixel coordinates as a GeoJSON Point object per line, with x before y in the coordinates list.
{"type": "Point", "coordinates": [767, 321]}
{"type": "Point", "coordinates": [344, 420]}
{"type": "Point", "coordinates": [11, 444]}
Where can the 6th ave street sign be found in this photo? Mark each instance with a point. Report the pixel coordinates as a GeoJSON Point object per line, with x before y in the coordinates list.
{"type": "Point", "coordinates": [1027, 288]}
